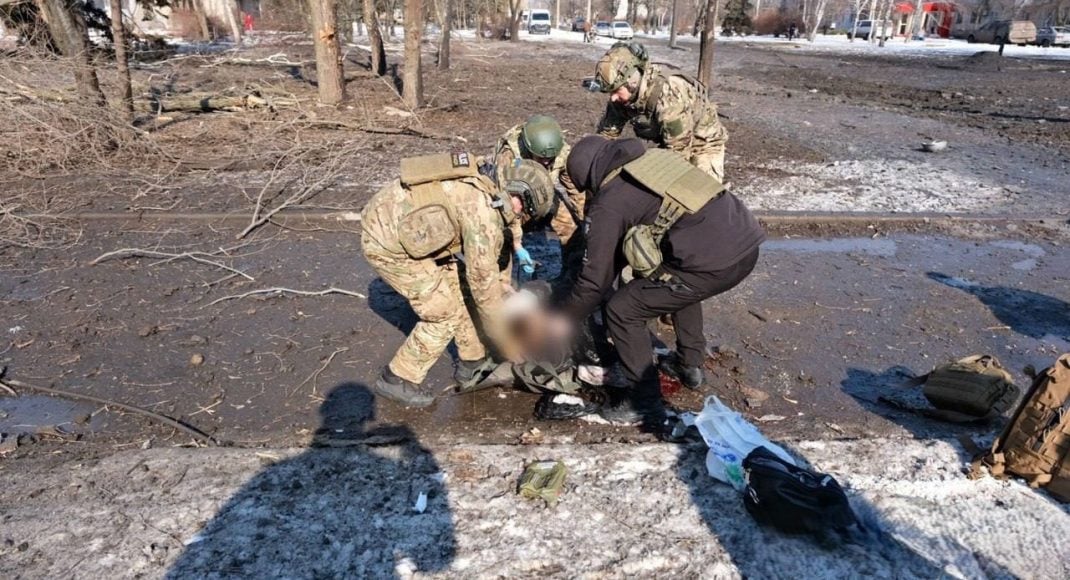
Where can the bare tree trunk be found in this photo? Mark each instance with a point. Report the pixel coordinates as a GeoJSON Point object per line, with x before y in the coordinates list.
{"type": "Point", "coordinates": [329, 76]}
{"type": "Point", "coordinates": [514, 20]}
{"type": "Point", "coordinates": [444, 9]}
{"type": "Point", "coordinates": [118, 33]}
{"type": "Point", "coordinates": [67, 26]}
{"type": "Point", "coordinates": [413, 88]}
{"type": "Point", "coordinates": [230, 8]}
{"type": "Point", "coordinates": [375, 38]}
{"type": "Point", "coordinates": [202, 19]}
{"type": "Point", "coordinates": [705, 50]}
{"type": "Point", "coordinates": [672, 26]}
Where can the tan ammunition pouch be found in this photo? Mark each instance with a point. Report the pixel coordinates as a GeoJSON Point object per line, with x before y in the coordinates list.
{"type": "Point", "coordinates": [1035, 445]}
{"type": "Point", "coordinates": [684, 189]}
{"type": "Point", "coordinates": [430, 230]}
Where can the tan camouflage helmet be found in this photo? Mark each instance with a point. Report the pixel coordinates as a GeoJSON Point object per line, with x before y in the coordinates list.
{"type": "Point", "coordinates": [616, 67]}
{"type": "Point", "coordinates": [530, 182]}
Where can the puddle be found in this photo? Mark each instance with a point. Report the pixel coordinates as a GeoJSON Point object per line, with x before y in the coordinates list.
{"type": "Point", "coordinates": [1031, 250]}
{"type": "Point", "coordinates": [28, 413]}
{"type": "Point", "coordinates": [876, 247]}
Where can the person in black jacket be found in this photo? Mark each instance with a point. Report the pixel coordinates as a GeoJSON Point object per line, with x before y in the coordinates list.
{"type": "Point", "coordinates": [704, 254]}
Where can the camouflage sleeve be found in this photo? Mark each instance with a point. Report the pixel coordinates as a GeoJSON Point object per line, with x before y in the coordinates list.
{"type": "Point", "coordinates": [612, 123]}
{"type": "Point", "coordinates": [503, 157]}
{"type": "Point", "coordinates": [482, 237]}
{"type": "Point", "coordinates": [674, 114]}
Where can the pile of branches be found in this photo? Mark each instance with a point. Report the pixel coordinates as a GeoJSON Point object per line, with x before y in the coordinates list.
{"type": "Point", "coordinates": [45, 129]}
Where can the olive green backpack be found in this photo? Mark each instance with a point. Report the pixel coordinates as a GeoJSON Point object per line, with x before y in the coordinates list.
{"type": "Point", "coordinates": [975, 388]}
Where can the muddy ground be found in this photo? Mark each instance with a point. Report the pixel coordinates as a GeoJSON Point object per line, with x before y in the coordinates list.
{"type": "Point", "coordinates": [844, 305]}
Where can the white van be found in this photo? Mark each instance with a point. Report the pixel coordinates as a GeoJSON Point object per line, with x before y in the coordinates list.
{"type": "Point", "coordinates": [539, 22]}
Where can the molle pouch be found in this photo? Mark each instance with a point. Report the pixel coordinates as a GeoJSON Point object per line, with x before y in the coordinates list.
{"type": "Point", "coordinates": [641, 250]}
{"type": "Point", "coordinates": [426, 231]}
{"type": "Point", "coordinates": [977, 386]}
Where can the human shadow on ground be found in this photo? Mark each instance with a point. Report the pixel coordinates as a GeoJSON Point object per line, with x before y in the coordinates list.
{"type": "Point", "coordinates": [343, 509]}
{"type": "Point", "coordinates": [1028, 313]}
{"type": "Point", "coordinates": [869, 551]}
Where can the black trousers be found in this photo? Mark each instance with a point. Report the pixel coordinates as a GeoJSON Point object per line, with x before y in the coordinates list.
{"type": "Point", "coordinates": [641, 300]}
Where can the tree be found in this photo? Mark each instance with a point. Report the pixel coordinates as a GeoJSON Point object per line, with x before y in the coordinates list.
{"type": "Point", "coordinates": [329, 77]}
{"type": "Point", "coordinates": [413, 87]}
{"type": "Point", "coordinates": [705, 47]}
{"type": "Point", "coordinates": [118, 35]}
{"type": "Point", "coordinates": [813, 14]}
{"type": "Point", "coordinates": [514, 20]}
{"type": "Point", "coordinates": [672, 26]}
{"type": "Point", "coordinates": [444, 9]}
{"type": "Point", "coordinates": [375, 38]}
{"type": "Point", "coordinates": [66, 24]}
{"type": "Point", "coordinates": [736, 18]}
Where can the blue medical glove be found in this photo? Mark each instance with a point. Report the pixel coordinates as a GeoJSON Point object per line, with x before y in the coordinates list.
{"type": "Point", "coordinates": [523, 258]}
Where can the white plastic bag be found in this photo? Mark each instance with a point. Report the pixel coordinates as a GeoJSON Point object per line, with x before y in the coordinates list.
{"type": "Point", "coordinates": [730, 439]}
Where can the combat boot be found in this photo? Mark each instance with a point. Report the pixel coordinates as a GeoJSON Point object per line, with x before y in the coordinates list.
{"type": "Point", "coordinates": [397, 389]}
{"type": "Point", "coordinates": [689, 376]}
{"type": "Point", "coordinates": [469, 373]}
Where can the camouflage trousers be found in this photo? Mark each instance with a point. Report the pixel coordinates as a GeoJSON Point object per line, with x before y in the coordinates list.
{"type": "Point", "coordinates": [434, 292]}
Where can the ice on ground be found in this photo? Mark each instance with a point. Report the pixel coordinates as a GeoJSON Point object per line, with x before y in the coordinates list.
{"type": "Point", "coordinates": [867, 185]}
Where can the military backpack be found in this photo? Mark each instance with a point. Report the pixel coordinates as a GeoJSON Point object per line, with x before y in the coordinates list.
{"type": "Point", "coordinates": [431, 230]}
{"type": "Point", "coordinates": [1035, 445]}
{"type": "Point", "coordinates": [974, 388]}
{"type": "Point", "coordinates": [683, 188]}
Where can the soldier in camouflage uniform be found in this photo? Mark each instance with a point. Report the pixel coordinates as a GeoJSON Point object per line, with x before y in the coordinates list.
{"type": "Point", "coordinates": [666, 107]}
{"type": "Point", "coordinates": [480, 212]}
{"type": "Point", "coordinates": [540, 140]}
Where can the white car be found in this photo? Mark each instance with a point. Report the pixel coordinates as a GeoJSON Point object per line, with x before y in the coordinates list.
{"type": "Point", "coordinates": [622, 30]}
{"type": "Point", "coordinates": [866, 28]}
{"type": "Point", "coordinates": [1054, 36]}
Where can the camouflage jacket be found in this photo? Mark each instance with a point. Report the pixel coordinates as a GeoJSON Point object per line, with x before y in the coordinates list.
{"type": "Point", "coordinates": [671, 110]}
{"type": "Point", "coordinates": [508, 149]}
{"type": "Point", "coordinates": [481, 231]}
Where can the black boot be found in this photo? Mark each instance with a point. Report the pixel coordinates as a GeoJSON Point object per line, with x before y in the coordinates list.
{"type": "Point", "coordinates": [397, 389]}
{"type": "Point", "coordinates": [469, 373]}
{"type": "Point", "coordinates": [691, 377]}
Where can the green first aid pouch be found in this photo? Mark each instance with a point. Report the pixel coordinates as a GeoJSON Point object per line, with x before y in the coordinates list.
{"type": "Point", "coordinates": [969, 389]}
{"type": "Point", "coordinates": [543, 480]}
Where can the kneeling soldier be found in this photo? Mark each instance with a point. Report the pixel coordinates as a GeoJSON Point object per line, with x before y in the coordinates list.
{"type": "Point", "coordinates": [413, 230]}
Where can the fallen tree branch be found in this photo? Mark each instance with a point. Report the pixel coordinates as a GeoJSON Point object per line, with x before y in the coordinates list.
{"type": "Point", "coordinates": [208, 102]}
{"type": "Point", "coordinates": [279, 290]}
{"type": "Point", "coordinates": [174, 423]}
{"type": "Point", "coordinates": [198, 257]}
{"type": "Point", "coordinates": [374, 129]}
{"type": "Point", "coordinates": [315, 376]}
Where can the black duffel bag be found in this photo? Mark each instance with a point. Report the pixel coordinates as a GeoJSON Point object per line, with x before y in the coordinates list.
{"type": "Point", "coordinates": [793, 499]}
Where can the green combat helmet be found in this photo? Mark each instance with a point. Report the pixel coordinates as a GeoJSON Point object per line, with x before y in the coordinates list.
{"type": "Point", "coordinates": [617, 65]}
{"type": "Point", "coordinates": [541, 136]}
{"type": "Point", "coordinates": [531, 182]}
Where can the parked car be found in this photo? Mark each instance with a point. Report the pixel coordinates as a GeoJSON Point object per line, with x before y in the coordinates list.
{"type": "Point", "coordinates": [867, 28]}
{"type": "Point", "coordinates": [622, 30]}
{"type": "Point", "coordinates": [577, 24]}
{"type": "Point", "coordinates": [1054, 36]}
{"type": "Point", "coordinates": [1020, 32]}
{"type": "Point", "coordinates": [603, 29]}
{"type": "Point", "coordinates": [539, 22]}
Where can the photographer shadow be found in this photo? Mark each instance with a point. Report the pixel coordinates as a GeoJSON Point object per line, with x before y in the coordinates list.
{"type": "Point", "coordinates": [342, 509]}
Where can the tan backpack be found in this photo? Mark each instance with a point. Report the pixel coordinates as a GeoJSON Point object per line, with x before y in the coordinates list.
{"type": "Point", "coordinates": [1035, 445]}
{"type": "Point", "coordinates": [430, 229]}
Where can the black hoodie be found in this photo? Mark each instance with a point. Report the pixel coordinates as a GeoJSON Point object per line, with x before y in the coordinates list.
{"type": "Point", "coordinates": [720, 234]}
